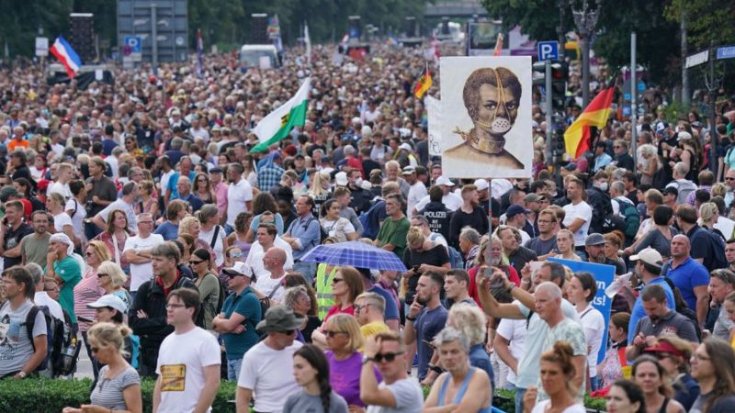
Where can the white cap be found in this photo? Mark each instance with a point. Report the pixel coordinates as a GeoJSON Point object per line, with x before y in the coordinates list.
{"type": "Point", "coordinates": [481, 184]}
{"type": "Point", "coordinates": [405, 146]}
{"type": "Point", "coordinates": [443, 180]}
{"type": "Point", "coordinates": [340, 179]}
{"type": "Point", "coordinates": [112, 301]}
{"type": "Point", "coordinates": [240, 268]}
{"type": "Point", "coordinates": [650, 256]}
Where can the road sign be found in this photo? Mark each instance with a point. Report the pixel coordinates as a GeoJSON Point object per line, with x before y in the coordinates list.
{"type": "Point", "coordinates": [725, 52]}
{"type": "Point", "coordinates": [41, 46]}
{"type": "Point", "coordinates": [548, 50]}
{"type": "Point", "coordinates": [697, 59]}
{"type": "Point", "coordinates": [135, 43]}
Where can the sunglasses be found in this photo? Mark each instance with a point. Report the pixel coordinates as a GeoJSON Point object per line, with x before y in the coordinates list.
{"type": "Point", "coordinates": [388, 357]}
{"type": "Point", "coordinates": [100, 275]}
{"type": "Point", "coordinates": [236, 255]}
{"type": "Point", "coordinates": [287, 332]}
{"type": "Point", "coordinates": [332, 334]}
{"type": "Point", "coordinates": [94, 349]}
{"type": "Point", "coordinates": [88, 254]}
{"type": "Point", "coordinates": [336, 280]}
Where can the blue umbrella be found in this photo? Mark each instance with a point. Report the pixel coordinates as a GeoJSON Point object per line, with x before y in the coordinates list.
{"type": "Point", "coordinates": [357, 254]}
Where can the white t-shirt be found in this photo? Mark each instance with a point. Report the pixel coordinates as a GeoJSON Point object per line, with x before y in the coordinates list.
{"type": "Point", "coordinates": [237, 195]}
{"type": "Point", "coordinates": [269, 374]}
{"type": "Point", "coordinates": [181, 362]}
{"type": "Point", "coordinates": [267, 285]}
{"type": "Point", "coordinates": [77, 220]}
{"type": "Point", "coordinates": [219, 244]}
{"type": "Point", "coordinates": [140, 273]}
{"type": "Point", "coordinates": [60, 188]}
{"type": "Point", "coordinates": [254, 259]}
{"type": "Point", "coordinates": [593, 324]}
{"type": "Point", "coordinates": [515, 332]}
{"type": "Point", "coordinates": [165, 177]}
{"type": "Point", "coordinates": [415, 194]}
{"type": "Point", "coordinates": [581, 210]}
{"type": "Point", "coordinates": [54, 308]}
{"type": "Point", "coordinates": [126, 208]}
{"type": "Point", "coordinates": [62, 220]}
{"type": "Point", "coordinates": [575, 408]}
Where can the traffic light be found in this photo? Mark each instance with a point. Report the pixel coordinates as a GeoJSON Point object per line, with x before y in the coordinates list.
{"type": "Point", "coordinates": [559, 77]}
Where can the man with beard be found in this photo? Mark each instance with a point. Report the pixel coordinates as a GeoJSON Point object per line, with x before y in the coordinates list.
{"type": "Point", "coordinates": [469, 214]}
{"type": "Point", "coordinates": [492, 98]}
{"type": "Point", "coordinates": [594, 246]}
{"type": "Point", "coordinates": [518, 255]}
{"type": "Point", "coordinates": [425, 318]}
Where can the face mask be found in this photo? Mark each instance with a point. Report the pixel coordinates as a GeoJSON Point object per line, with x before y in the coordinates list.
{"type": "Point", "coordinates": [603, 186]}
{"type": "Point", "coordinates": [358, 182]}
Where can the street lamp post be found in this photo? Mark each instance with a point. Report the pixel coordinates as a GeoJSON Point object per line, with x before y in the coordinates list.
{"type": "Point", "coordinates": [586, 20]}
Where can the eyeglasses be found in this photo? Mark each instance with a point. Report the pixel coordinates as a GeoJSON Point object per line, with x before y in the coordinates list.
{"type": "Point", "coordinates": [236, 255]}
{"type": "Point", "coordinates": [193, 262]}
{"type": "Point", "coordinates": [359, 308]}
{"type": "Point", "coordinates": [388, 357]}
{"type": "Point", "coordinates": [101, 274]}
{"type": "Point", "coordinates": [145, 222]}
{"type": "Point", "coordinates": [94, 349]}
{"type": "Point", "coordinates": [287, 332]}
{"type": "Point", "coordinates": [332, 334]}
{"type": "Point", "coordinates": [728, 178]}
{"type": "Point", "coordinates": [336, 280]}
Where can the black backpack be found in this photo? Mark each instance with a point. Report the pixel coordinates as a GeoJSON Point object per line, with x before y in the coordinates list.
{"type": "Point", "coordinates": [63, 346]}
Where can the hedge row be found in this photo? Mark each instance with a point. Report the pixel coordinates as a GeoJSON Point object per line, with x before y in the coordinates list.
{"type": "Point", "coordinates": [48, 396]}
{"type": "Point", "coordinates": [51, 396]}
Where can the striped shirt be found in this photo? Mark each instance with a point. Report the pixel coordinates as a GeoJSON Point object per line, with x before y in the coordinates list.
{"type": "Point", "coordinates": [86, 292]}
{"type": "Point", "coordinates": [108, 392]}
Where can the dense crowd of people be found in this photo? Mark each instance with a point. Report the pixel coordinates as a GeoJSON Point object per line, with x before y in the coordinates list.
{"type": "Point", "coordinates": [138, 224]}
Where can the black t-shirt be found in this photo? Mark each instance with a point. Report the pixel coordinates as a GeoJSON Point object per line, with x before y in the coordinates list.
{"type": "Point", "coordinates": [436, 256]}
{"type": "Point", "coordinates": [438, 216]}
{"type": "Point", "coordinates": [725, 404]}
{"type": "Point", "coordinates": [477, 219]}
{"type": "Point", "coordinates": [520, 257]}
{"type": "Point", "coordinates": [12, 240]}
{"type": "Point", "coordinates": [104, 189]}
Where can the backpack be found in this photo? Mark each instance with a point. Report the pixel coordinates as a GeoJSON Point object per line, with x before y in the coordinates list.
{"type": "Point", "coordinates": [322, 233]}
{"type": "Point", "coordinates": [63, 346]}
{"type": "Point", "coordinates": [717, 245]}
{"type": "Point", "coordinates": [631, 219]}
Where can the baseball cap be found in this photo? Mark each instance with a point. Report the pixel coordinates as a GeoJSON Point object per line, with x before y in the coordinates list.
{"type": "Point", "coordinates": [409, 170]}
{"type": "Point", "coordinates": [664, 347]}
{"type": "Point", "coordinates": [112, 301]}
{"type": "Point", "coordinates": [649, 256]}
{"type": "Point", "coordinates": [443, 180]}
{"type": "Point", "coordinates": [532, 198]}
{"type": "Point", "coordinates": [514, 210]}
{"type": "Point", "coordinates": [594, 239]}
{"type": "Point", "coordinates": [215, 170]}
{"type": "Point", "coordinates": [238, 268]}
{"type": "Point", "coordinates": [340, 179]}
{"type": "Point", "coordinates": [670, 190]}
{"type": "Point", "coordinates": [481, 184]}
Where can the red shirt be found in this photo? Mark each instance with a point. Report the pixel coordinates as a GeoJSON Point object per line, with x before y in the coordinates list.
{"type": "Point", "coordinates": [510, 271]}
{"type": "Point", "coordinates": [336, 309]}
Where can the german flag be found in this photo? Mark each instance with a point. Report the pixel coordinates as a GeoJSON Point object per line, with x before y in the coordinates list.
{"type": "Point", "coordinates": [577, 136]}
{"type": "Point", "coordinates": [423, 85]}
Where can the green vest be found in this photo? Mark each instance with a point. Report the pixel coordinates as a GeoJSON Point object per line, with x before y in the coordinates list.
{"type": "Point", "coordinates": [324, 294]}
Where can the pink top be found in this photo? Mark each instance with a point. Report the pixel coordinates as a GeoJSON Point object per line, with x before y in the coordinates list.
{"type": "Point", "coordinates": [220, 192]}
{"type": "Point", "coordinates": [86, 292]}
{"type": "Point", "coordinates": [337, 310]}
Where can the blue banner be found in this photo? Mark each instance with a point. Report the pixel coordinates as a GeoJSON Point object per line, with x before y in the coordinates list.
{"type": "Point", "coordinates": [604, 275]}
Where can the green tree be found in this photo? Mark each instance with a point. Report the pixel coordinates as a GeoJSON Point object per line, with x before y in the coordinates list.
{"type": "Point", "coordinates": [707, 21]}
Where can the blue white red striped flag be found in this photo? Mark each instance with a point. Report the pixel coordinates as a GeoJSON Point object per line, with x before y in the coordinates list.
{"type": "Point", "coordinates": [63, 51]}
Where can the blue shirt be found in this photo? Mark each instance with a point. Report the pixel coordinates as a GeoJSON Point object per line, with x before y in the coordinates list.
{"type": "Point", "coordinates": [269, 176]}
{"type": "Point", "coordinates": [391, 310]}
{"type": "Point", "coordinates": [168, 231]}
{"type": "Point", "coordinates": [247, 305]}
{"type": "Point", "coordinates": [686, 276]}
{"type": "Point", "coordinates": [173, 183]}
{"type": "Point", "coordinates": [308, 231]}
{"type": "Point", "coordinates": [638, 311]}
{"type": "Point", "coordinates": [428, 324]}
{"type": "Point", "coordinates": [194, 201]}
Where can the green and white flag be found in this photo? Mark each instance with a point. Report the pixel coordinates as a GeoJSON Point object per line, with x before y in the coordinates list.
{"type": "Point", "coordinates": [278, 124]}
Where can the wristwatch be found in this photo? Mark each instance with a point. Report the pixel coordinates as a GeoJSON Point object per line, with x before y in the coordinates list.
{"type": "Point", "coordinates": [366, 359]}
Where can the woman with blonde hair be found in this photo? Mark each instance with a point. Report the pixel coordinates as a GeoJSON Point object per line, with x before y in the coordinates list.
{"type": "Point", "coordinates": [191, 225]}
{"type": "Point", "coordinates": [557, 372]}
{"type": "Point", "coordinates": [345, 361]}
{"type": "Point", "coordinates": [648, 163]}
{"type": "Point", "coordinates": [319, 191]}
{"type": "Point", "coordinates": [112, 280]}
{"type": "Point", "coordinates": [565, 245]}
{"type": "Point", "coordinates": [708, 215]}
{"type": "Point", "coordinates": [118, 386]}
